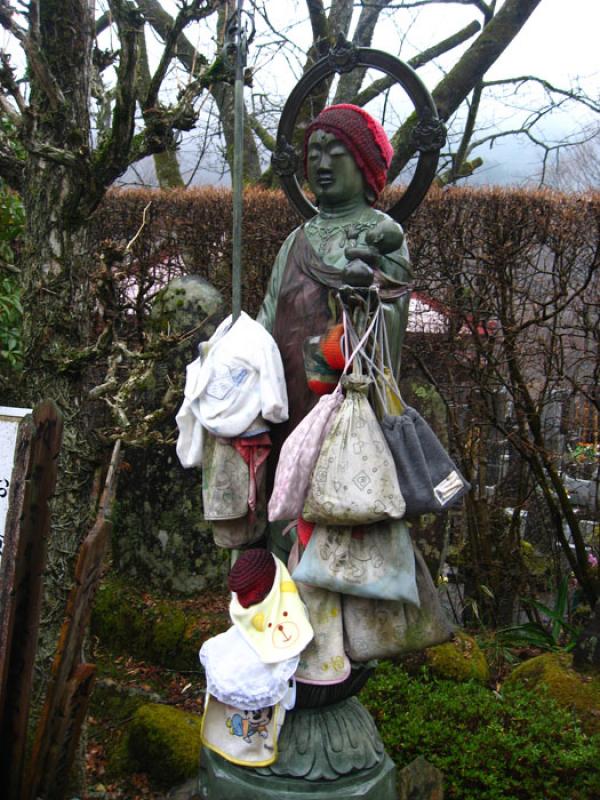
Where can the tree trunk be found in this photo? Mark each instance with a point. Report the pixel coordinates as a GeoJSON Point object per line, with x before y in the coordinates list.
{"type": "Point", "coordinates": [168, 173]}
{"type": "Point", "coordinates": [58, 276]}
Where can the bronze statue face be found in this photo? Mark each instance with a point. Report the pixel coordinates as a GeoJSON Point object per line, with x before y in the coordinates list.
{"type": "Point", "coordinates": [332, 172]}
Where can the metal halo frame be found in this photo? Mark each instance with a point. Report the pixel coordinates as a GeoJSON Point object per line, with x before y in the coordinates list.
{"type": "Point", "coordinates": [428, 136]}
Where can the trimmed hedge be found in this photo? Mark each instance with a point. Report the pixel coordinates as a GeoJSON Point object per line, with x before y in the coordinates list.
{"type": "Point", "coordinates": [189, 231]}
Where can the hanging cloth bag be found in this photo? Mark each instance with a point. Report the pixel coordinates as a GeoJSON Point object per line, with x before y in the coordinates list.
{"type": "Point", "coordinates": [375, 561]}
{"type": "Point", "coordinates": [354, 481]}
{"type": "Point", "coordinates": [428, 478]}
{"type": "Point", "coordinates": [297, 458]}
{"type": "Point", "coordinates": [386, 629]}
{"type": "Point", "coordinates": [225, 480]}
{"type": "Point", "coordinates": [323, 662]}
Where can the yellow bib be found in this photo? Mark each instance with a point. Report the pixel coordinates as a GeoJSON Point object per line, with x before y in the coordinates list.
{"type": "Point", "coordinates": [277, 628]}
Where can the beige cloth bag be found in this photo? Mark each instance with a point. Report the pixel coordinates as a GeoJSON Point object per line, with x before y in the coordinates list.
{"type": "Point", "coordinates": [354, 481]}
{"type": "Point", "coordinates": [323, 662]}
{"type": "Point", "coordinates": [388, 628]}
{"type": "Point", "coordinates": [225, 477]}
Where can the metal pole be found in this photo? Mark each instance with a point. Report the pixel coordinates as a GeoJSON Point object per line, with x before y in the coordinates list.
{"type": "Point", "coordinates": [238, 165]}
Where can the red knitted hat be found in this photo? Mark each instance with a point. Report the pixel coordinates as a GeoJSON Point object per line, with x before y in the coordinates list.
{"type": "Point", "coordinates": [252, 575]}
{"type": "Point", "coordinates": [363, 136]}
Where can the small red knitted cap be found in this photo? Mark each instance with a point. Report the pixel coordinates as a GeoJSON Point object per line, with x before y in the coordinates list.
{"type": "Point", "coordinates": [363, 136]}
{"type": "Point", "coordinates": [252, 575]}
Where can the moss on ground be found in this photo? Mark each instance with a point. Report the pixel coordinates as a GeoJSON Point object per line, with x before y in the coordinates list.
{"type": "Point", "coordinates": [165, 632]}
{"type": "Point", "coordinates": [164, 742]}
{"type": "Point", "coordinates": [570, 689]}
{"type": "Point", "coordinates": [460, 659]}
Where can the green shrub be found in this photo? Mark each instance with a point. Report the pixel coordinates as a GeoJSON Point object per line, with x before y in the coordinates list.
{"type": "Point", "coordinates": [513, 746]}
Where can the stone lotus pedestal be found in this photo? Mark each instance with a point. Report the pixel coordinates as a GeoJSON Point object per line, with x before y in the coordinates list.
{"type": "Point", "coordinates": [333, 751]}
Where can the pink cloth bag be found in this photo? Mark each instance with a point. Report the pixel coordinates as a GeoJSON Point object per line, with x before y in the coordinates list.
{"type": "Point", "coordinates": [298, 456]}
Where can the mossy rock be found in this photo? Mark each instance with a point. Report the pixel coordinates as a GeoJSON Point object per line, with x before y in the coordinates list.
{"type": "Point", "coordinates": [111, 711]}
{"type": "Point", "coordinates": [128, 621]}
{"type": "Point", "coordinates": [460, 659]}
{"type": "Point", "coordinates": [570, 689]}
{"type": "Point", "coordinates": [165, 743]}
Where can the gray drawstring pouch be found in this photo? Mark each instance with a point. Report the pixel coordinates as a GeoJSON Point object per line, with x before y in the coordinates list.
{"type": "Point", "coordinates": [429, 480]}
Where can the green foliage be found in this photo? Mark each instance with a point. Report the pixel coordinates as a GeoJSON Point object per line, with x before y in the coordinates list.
{"type": "Point", "coordinates": [513, 746]}
{"type": "Point", "coordinates": [556, 634]}
{"type": "Point", "coordinates": [11, 310]}
{"type": "Point", "coordinates": [583, 453]}
{"type": "Point", "coordinates": [11, 313]}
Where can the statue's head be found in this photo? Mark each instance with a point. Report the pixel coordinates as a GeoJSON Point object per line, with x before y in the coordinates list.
{"type": "Point", "coordinates": [346, 154]}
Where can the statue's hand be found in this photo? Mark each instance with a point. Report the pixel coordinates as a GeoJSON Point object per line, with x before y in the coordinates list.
{"type": "Point", "coordinates": [357, 273]}
{"type": "Point", "coordinates": [364, 253]}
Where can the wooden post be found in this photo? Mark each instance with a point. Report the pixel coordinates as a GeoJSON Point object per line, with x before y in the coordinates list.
{"type": "Point", "coordinates": [23, 563]}
{"type": "Point", "coordinates": [71, 681]}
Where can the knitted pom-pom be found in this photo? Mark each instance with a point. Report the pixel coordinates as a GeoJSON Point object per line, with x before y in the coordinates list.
{"type": "Point", "coordinates": [321, 387]}
{"type": "Point", "coordinates": [252, 575]}
{"type": "Point", "coordinates": [331, 347]}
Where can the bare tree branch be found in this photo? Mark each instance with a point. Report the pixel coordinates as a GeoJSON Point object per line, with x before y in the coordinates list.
{"type": "Point", "coordinates": [186, 15]}
{"type": "Point", "coordinates": [340, 17]}
{"type": "Point", "coordinates": [8, 82]}
{"type": "Point", "coordinates": [381, 85]}
{"type": "Point", "coordinates": [486, 10]}
{"type": "Point", "coordinates": [112, 158]}
{"type": "Point", "coordinates": [263, 134]}
{"type": "Point", "coordinates": [35, 57]}
{"type": "Point", "coordinates": [350, 83]}
{"type": "Point", "coordinates": [571, 94]}
{"type": "Point", "coordinates": [470, 68]}
{"type": "Point", "coordinates": [319, 25]}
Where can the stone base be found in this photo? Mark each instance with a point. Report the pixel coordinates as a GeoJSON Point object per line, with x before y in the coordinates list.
{"type": "Point", "coordinates": [333, 751]}
{"type": "Point", "coordinates": [220, 780]}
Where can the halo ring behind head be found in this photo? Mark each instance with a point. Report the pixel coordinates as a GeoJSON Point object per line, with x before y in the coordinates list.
{"type": "Point", "coordinates": [428, 133]}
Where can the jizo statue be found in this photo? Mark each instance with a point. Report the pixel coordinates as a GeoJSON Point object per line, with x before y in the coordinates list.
{"type": "Point", "coordinates": [323, 274]}
{"type": "Point", "coordinates": [346, 157]}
